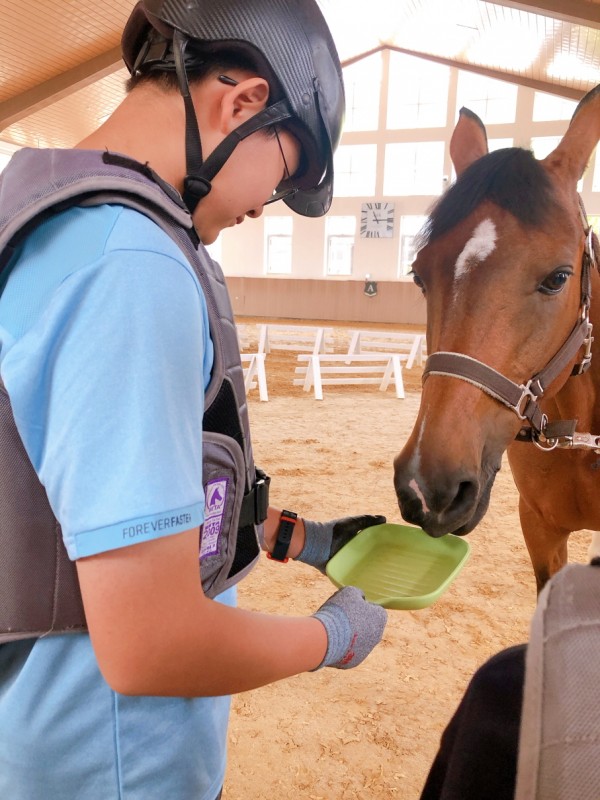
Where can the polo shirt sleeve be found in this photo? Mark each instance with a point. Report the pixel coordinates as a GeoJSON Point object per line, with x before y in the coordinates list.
{"type": "Point", "coordinates": [107, 392]}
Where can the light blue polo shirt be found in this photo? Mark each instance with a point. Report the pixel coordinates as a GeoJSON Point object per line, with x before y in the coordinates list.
{"type": "Point", "coordinates": [105, 353]}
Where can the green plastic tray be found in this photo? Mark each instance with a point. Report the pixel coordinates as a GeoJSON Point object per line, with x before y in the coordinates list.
{"type": "Point", "coordinates": [399, 566]}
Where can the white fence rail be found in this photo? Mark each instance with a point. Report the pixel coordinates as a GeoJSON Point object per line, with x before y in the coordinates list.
{"type": "Point", "coordinates": [412, 346]}
{"type": "Point", "coordinates": [299, 338]}
{"type": "Point", "coordinates": [255, 373]}
{"type": "Point", "coordinates": [325, 369]}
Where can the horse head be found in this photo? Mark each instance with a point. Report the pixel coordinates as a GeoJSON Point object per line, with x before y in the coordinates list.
{"type": "Point", "coordinates": [500, 264]}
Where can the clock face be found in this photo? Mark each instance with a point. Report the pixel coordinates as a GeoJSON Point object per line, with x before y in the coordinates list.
{"type": "Point", "coordinates": [377, 220]}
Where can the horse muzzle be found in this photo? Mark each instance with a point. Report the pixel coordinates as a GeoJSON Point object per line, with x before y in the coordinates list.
{"type": "Point", "coordinates": [454, 502]}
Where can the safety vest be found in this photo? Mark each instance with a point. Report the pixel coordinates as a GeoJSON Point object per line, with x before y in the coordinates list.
{"type": "Point", "coordinates": [39, 589]}
{"type": "Point", "coordinates": [559, 741]}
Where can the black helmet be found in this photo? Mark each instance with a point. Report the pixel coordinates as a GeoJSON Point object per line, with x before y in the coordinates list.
{"type": "Point", "coordinates": [288, 41]}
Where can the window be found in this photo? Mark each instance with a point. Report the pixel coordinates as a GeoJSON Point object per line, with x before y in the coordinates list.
{"type": "Point", "coordinates": [493, 144]}
{"type": "Point", "coordinates": [410, 225]}
{"type": "Point", "coordinates": [278, 245]}
{"type": "Point", "coordinates": [418, 93]}
{"type": "Point", "coordinates": [339, 244]}
{"type": "Point", "coordinates": [542, 146]}
{"type": "Point", "coordinates": [362, 83]}
{"type": "Point", "coordinates": [414, 168]}
{"type": "Point", "coordinates": [493, 101]}
{"type": "Point", "coordinates": [596, 175]}
{"type": "Point", "coordinates": [498, 144]}
{"type": "Point", "coordinates": [355, 167]}
{"type": "Point", "coordinates": [547, 107]}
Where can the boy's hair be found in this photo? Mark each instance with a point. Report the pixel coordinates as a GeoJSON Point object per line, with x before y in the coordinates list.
{"type": "Point", "coordinates": [199, 66]}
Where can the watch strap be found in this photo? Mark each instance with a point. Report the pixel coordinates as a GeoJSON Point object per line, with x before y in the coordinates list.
{"type": "Point", "coordinates": [285, 531]}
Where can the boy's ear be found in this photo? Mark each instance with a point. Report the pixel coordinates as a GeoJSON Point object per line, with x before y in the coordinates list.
{"type": "Point", "coordinates": [243, 101]}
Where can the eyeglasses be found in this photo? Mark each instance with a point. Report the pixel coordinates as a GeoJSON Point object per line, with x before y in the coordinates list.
{"type": "Point", "coordinates": [285, 188]}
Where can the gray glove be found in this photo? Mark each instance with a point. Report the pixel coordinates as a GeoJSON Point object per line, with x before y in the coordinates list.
{"type": "Point", "coordinates": [354, 626]}
{"type": "Point", "coordinates": [324, 539]}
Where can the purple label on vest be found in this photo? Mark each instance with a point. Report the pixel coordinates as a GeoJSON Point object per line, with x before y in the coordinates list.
{"type": "Point", "coordinates": [214, 508]}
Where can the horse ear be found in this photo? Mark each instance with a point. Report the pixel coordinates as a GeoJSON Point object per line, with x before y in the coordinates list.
{"type": "Point", "coordinates": [468, 142]}
{"type": "Point", "coordinates": [571, 156]}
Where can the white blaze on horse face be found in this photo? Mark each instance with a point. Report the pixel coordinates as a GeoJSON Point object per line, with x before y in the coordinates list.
{"type": "Point", "coordinates": [414, 466]}
{"type": "Point", "coordinates": [417, 490]}
{"type": "Point", "coordinates": [477, 249]}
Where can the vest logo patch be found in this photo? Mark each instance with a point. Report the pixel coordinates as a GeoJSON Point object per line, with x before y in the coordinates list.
{"type": "Point", "coordinates": [214, 509]}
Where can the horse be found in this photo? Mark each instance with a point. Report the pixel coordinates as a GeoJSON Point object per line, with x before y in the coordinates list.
{"type": "Point", "coordinates": [508, 266]}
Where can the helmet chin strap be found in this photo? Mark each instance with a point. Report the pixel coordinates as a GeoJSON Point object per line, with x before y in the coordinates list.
{"type": "Point", "coordinates": [197, 182]}
{"type": "Point", "coordinates": [195, 187]}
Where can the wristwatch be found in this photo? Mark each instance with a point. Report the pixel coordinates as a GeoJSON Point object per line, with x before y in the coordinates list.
{"type": "Point", "coordinates": [287, 521]}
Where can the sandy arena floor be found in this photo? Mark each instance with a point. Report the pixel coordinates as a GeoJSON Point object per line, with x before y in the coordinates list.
{"type": "Point", "coordinates": [372, 732]}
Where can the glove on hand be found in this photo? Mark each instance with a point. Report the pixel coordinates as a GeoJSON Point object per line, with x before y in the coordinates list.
{"type": "Point", "coordinates": [324, 539]}
{"type": "Point", "coordinates": [354, 626]}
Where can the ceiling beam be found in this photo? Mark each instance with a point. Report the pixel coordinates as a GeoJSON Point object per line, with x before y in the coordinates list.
{"type": "Point", "coordinates": [63, 85]}
{"type": "Point", "coordinates": [577, 12]}
{"type": "Point", "coordinates": [501, 75]}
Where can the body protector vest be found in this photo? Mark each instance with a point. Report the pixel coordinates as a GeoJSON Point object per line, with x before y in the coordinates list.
{"type": "Point", "coordinates": [39, 590]}
{"type": "Point", "coordinates": [559, 739]}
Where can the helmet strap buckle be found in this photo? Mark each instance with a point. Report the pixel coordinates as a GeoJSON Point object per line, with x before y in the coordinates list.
{"type": "Point", "coordinates": [194, 189]}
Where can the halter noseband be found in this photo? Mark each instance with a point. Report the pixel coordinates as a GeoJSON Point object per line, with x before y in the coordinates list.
{"type": "Point", "coordinates": [523, 398]}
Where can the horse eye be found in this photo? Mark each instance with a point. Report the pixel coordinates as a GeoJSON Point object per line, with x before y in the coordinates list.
{"type": "Point", "coordinates": [555, 282]}
{"type": "Point", "coordinates": [417, 281]}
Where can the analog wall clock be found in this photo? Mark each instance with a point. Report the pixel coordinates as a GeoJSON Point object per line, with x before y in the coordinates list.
{"type": "Point", "coordinates": [377, 220]}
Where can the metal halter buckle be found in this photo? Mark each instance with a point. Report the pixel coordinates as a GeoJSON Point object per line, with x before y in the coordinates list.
{"type": "Point", "coordinates": [523, 401]}
{"type": "Point", "coordinates": [587, 355]}
{"type": "Point", "coordinates": [542, 442]}
{"type": "Point", "coordinates": [589, 246]}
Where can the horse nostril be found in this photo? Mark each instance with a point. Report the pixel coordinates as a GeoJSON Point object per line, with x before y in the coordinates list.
{"type": "Point", "coordinates": [465, 496]}
{"type": "Point", "coordinates": [455, 500]}
{"type": "Point", "coordinates": [439, 507]}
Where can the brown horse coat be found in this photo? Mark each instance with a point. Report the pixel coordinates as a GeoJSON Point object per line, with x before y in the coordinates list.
{"type": "Point", "coordinates": [501, 269]}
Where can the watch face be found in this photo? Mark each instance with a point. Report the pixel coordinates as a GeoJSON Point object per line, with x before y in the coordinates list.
{"type": "Point", "coordinates": [377, 220]}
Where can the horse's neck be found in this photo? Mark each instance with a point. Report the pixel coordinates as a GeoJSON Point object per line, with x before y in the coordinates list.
{"type": "Point", "coordinates": [580, 396]}
{"type": "Point", "coordinates": [578, 399]}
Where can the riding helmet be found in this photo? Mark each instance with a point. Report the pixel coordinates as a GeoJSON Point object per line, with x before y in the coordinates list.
{"type": "Point", "coordinates": [290, 44]}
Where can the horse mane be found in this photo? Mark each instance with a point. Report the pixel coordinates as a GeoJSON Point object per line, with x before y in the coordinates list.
{"type": "Point", "coordinates": [510, 177]}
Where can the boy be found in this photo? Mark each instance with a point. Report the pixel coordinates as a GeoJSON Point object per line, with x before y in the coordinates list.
{"type": "Point", "coordinates": [116, 351]}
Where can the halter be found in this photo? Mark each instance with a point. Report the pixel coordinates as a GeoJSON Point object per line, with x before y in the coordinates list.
{"type": "Point", "coordinates": [523, 399]}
